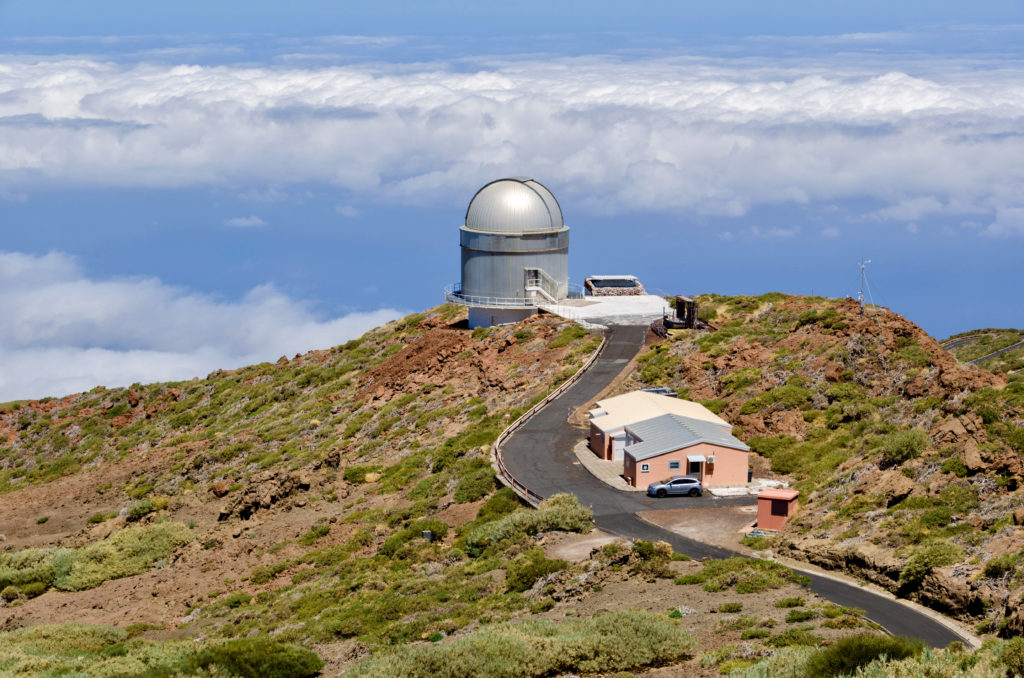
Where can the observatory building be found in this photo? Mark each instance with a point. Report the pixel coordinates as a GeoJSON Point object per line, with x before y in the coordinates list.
{"type": "Point", "coordinates": [515, 253]}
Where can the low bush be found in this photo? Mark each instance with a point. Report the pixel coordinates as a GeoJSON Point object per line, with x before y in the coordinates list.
{"type": "Point", "coordinates": [131, 551]}
{"type": "Point", "coordinates": [1001, 565]}
{"type": "Point", "coordinates": [314, 533]}
{"type": "Point", "coordinates": [797, 636]}
{"type": "Point", "coordinates": [846, 655]}
{"type": "Point", "coordinates": [753, 634]}
{"type": "Point", "coordinates": [923, 560]}
{"type": "Point", "coordinates": [476, 484]}
{"type": "Point", "coordinates": [567, 336]}
{"type": "Point", "coordinates": [788, 396]}
{"type": "Point", "coordinates": [525, 571]}
{"type": "Point", "coordinates": [357, 474]}
{"type": "Point", "coordinates": [789, 602]}
{"type": "Point", "coordinates": [560, 512]}
{"type": "Point", "coordinates": [259, 658]}
{"type": "Point", "coordinates": [730, 607]}
{"type": "Point", "coordinates": [797, 616]}
{"type": "Point", "coordinates": [613, 641]}
{"type": "Point", "coordinates": [1012, 656]}
{"type": "Point", "coordinates": [902, 446]}
{"type": "Point", "coordinates": [499, 505]}
{"type": "Point", "coordinates": [138, 510]}
{"type": "Point", "coordinates": [747, 575]}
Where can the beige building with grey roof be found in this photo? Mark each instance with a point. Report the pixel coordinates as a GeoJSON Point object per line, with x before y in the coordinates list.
{"type": "Point", "coordinates": [610, 417]}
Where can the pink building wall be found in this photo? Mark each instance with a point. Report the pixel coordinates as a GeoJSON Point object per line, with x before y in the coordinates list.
{"type": "Point", "coordinates": [730, 467]}
{"type": "Point", "coordinates": [599, 443]}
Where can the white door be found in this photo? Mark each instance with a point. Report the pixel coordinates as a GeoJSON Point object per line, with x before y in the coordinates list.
{"type": "Point", "coordinates": [618, 445]}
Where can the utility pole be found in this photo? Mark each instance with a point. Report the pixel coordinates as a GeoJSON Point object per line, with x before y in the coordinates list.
{"type": "Point", "coordinates": [863, 282]}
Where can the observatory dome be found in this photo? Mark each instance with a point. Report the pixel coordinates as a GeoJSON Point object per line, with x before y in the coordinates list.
{"type": "Point", "coordinates": [514, 205]}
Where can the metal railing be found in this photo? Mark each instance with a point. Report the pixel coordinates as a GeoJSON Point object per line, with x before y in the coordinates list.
{"type": "Point", "coordinates": [453, 293]}
{"type": "Point", "coordinates": [528, 495]}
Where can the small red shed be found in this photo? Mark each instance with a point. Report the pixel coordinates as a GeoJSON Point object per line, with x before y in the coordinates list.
{"type": "Point", "coordinates": [774, 508]}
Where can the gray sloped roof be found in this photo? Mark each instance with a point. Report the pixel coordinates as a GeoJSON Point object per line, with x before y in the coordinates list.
{"type": "Point", "coordinates": [671, 432]}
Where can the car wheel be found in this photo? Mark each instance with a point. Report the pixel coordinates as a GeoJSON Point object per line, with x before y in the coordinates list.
{"type": "Point", "coordinates": [695, 492]}
{"type": "Point", "coordinates": [661, 494]}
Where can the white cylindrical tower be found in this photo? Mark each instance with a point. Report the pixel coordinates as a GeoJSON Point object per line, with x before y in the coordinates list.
{"type": "Point", "coordinates": [515, 253]}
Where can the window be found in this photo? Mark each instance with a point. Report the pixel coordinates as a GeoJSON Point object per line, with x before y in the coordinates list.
{"type": "Point", "coordinates": [695, 467]}
{"type": "Point", "coordinates": [644, 468]}
{"type": "Point", "coordinates": [780, 507]}
{"type": "Point", "coordinates": [673, 466]}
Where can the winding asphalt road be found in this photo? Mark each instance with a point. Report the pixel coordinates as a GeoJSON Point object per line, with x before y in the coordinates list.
{"type": "Point", "coordinates": [539, 454]}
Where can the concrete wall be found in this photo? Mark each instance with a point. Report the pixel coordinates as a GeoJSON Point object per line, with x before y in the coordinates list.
{"type": "Point", "coordinates": [730, 467]}
{"type": "Point", "coordinates": [488, 317]}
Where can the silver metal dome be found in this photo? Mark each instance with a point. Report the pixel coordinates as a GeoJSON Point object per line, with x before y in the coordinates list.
{"type": "Point", "coordinates": [514, 205]}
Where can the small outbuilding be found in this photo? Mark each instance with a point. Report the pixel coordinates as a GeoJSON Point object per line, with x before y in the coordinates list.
{"type": "Point", "coordinates": [775, 507]}
{"type": "Point", "coordinates": [671, 445]}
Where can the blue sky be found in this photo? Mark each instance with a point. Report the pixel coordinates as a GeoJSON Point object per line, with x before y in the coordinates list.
{"type": "Point", "coordinates": [190, 186]}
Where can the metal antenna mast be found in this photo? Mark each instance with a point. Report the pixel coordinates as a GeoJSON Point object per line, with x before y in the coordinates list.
{"type": "Point", "coordinates": [863, 282]}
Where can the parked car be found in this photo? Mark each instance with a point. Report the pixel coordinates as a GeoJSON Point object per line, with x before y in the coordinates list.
{"type": "Point", "coordinates": [687, 485]}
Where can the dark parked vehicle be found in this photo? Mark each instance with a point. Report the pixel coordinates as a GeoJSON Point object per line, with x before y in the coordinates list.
{"type": "Point", "coordinates": [676, 485]}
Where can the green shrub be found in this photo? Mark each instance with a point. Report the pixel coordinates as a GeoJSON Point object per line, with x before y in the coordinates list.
{"type": "Point", "coordinates": [605, 643]}
{"type": "Point", "coordinates": [955, 466]}
{"type": "Point", "coordinates": [1012, 656]}
{"type": "Point", "coordinates": [127, 552]}
{"type": "Point", "coordinates": [42, 519]}
{"type": "Point", "coordinates": [237, 600]}
{"type": "Point", "coordinates": [139, 509]}
{"type": "Point", "coordinates": [259, 658]}
{"type": "Point", "coordinates": [525, 571]}
{"type": "Point", "coordinates": [846, 655]}
{"type": "Point", "coordinates": [567, 336]}
{"type": "Point", "coordinates": [902, 446]}
{"type": "Point", "coordinates": [753, 634]}
{"type": "Point", "coordinates": [747, 575]}
{"type": "Point", "coordinates": [921, 562]}
{"type": "Point", "coordinates": [789, 602]}
{"type": "Point", "coordinates": [313, 534]}
{"type": "Point", "coordinates": [1001, 565]}
{"type": "Point", "coordinates": [730, 607]}
{"type": "Point", "coordinates": [499, 505]}
{"type": "Point", "coordinates": [658, 366]}
{"type": "Point", "coordinates": [716, 405]}
{"type": "Point", "coordinates": [357, 474]}
{"type": "Point", "coordinates": [10, 593]}
{"type": "Point", "coordinates": [789, 396]}
{"type": "Point", "coordinates": [797, 616]}
{"type": "Point", "coordinates": [792, 637]}
{"type": "Point", "coordinates": [33, 589]}
{"type": "Point", "coordinates": [475, 485]}
{"type": "Point", "coordinates": [560, 512]}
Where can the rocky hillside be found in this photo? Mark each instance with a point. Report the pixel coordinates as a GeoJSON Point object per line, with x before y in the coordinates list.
{"type": "Point", "coordinates": [336, 512]}
{"type": "Point", "coordinates": [909, 463]}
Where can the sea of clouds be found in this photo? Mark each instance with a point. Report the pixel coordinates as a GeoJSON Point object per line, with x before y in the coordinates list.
{"type": "Point", "coordinates": [677, 134]}
{"type": "Point", "coordinates": [62, 332]}
{"type": "Point", "coordinates": [680, 134]}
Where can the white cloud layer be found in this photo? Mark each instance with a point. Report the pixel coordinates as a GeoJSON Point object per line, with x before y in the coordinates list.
{"type": "Point", "coordinates": [683, 135]}
{"type": "Point", "coordinates": [63, 332]}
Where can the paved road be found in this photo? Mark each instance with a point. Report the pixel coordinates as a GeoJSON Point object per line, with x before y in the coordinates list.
{"type": "Point", "coordinates": [539, 454]}
{"type": "Point", "coordinates": [1001, 351]}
